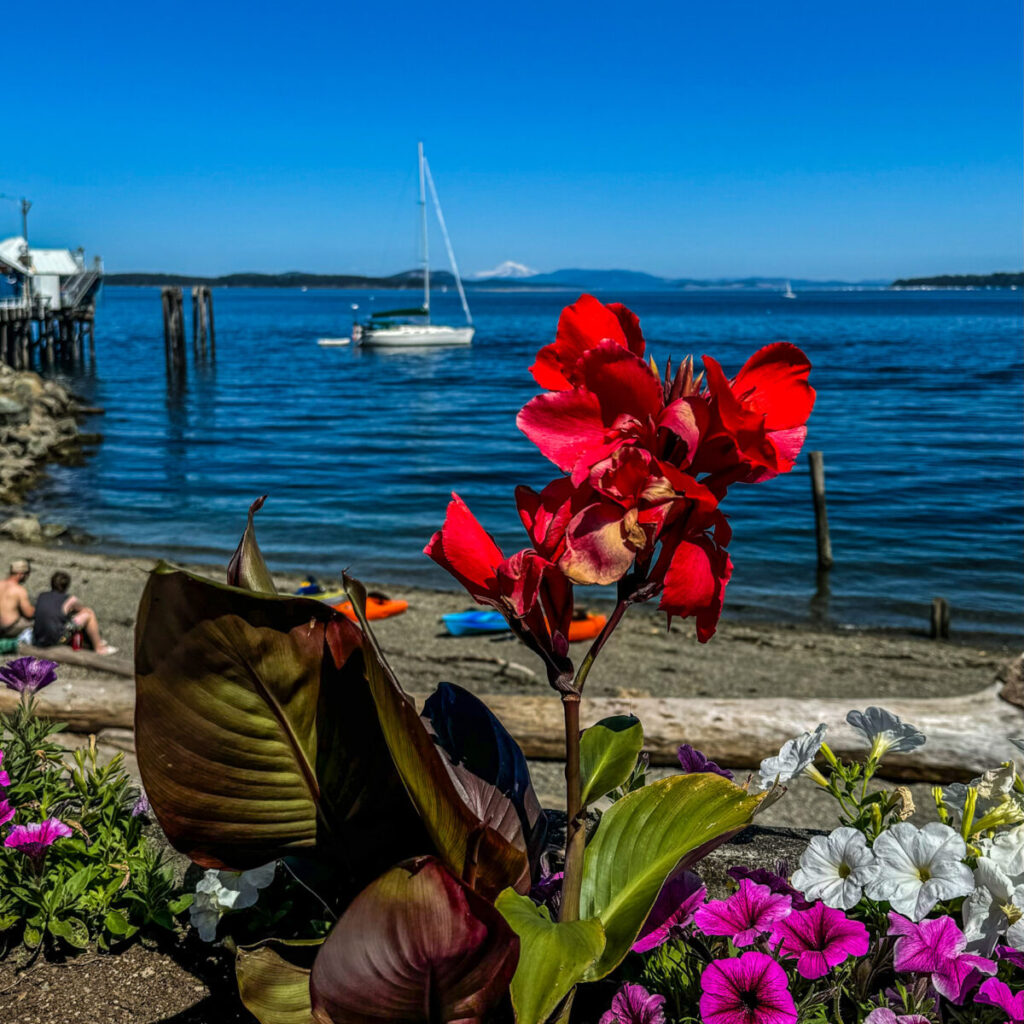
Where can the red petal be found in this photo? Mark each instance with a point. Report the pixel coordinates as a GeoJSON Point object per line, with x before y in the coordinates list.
{"type": "Point", "coordinates": [519, 579]}
{"type": "Point", "coordinates": [546, 515]}
{"type": "Point", "coordinates": [773, 383]}
{"type": "Point", "coordinates": [687, 418]}
{"type": "Point", "coordinates": [695, 584]}
{"type": "Point", "coordinates": [466, 550]}
{"type": "Point", "coordinates": [623, 383]}
{"type": "Point", "coordinates": [562, 424]}
{"type": "Point", "coordinates": [581, 326]}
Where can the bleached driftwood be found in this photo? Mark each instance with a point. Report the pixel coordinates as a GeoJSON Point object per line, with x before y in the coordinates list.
{"type": "Point", "coordinates": [966, 734]}
{"type": "Point", "coordinates": [83, 659]}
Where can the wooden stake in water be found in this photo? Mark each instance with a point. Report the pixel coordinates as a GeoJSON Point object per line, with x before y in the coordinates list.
{"type": "Point", "coordinates": [817, 463]}
{"type": "Point", "coordinates": [940, 619]}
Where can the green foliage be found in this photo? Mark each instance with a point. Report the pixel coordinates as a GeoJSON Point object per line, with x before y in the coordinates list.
{"type": "Point", "coordinates": [273, 981]}
{"type": "Point", "coordinates": [641, 840]}
{"type": "Point", "coordinates": [101, 884]}
{"type": "Point", "coordinates": [608, 754]}
{"type": "Point", "coordinates": [553, 956]}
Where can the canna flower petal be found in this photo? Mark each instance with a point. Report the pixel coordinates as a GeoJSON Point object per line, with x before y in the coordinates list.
{"type": "Point", "coordinates": [581, 326]}
{"type": "Point", "coordinates": [695, 583]}
{"type": "Point", "coordinates": [467, 551]}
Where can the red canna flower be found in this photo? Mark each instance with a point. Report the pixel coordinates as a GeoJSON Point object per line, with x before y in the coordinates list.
{"type": "Point", "coordinates": [758, 419]}
{"type": "Point", "coordinates": [528, 589]}
{"type": "Point", "coordinates": [580, 327]}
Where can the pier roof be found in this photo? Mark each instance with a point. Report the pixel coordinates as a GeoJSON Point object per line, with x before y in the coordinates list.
{"type": "Point", "coordinates": [43, 261]}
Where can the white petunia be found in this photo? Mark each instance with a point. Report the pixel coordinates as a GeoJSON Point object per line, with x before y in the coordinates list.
{"type": "Point", "coordinates": [996, 799]}
{"type": "Point", "coordinates": [220, 891]}
{"type": "Point", "coordinates": [796, 756]}
{"type": "Point", "coordinates": [884, 731]}
{"type": "Point", "coordinates": [916, 867]}
{"type": "Point", "coordinates": [834, 868]}
{"type": "Point", "coordinates": [996, 907]}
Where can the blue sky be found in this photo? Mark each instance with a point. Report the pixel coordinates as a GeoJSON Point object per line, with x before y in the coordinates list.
{"type": "Point", "coordinates": [796, 139]}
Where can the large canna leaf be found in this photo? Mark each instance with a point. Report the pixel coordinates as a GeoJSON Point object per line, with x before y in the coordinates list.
{"type": "Point", "coordinates": [273, 980]}
{"type": "Point", "coordinates": [639, 844]}
{"type": "Point", "coordinates": [247, 568]}
{"type": "Point", "coordinates": [553, 956]}
{"type": "Point", "coordinates": [256, 733]}
{"type": "Point", "coordinates": [608, 752]}
{"type": "Point", "coordinates": [477, 744]}
{"type": "Point", "coordinates": [417, 945]}
{"type": "Point", "coordinates": [473, 826]}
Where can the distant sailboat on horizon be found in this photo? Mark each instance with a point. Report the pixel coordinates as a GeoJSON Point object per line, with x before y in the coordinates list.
{"type": "Point", "coordinates": [789, 293]}
{"type": "Point", "coordinates": [383, 329]}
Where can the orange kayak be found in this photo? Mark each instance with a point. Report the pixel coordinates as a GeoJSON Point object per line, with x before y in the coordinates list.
{"type": "Point", "coordinates": [376, 608]}
{"type": "Point", "coordinates": [586, 628]}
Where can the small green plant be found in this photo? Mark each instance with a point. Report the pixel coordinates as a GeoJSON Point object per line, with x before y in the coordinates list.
{"type": "Point", "coordinates": [75, 866]}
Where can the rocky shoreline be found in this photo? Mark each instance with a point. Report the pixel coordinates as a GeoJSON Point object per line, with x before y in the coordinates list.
{"type": "Point", "coordinates": [38, 427]}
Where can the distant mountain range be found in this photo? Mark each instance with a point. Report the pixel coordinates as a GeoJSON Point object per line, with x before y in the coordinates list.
{"type": "Point", "coordinates": [516, 276]}
{"type": "Point", "coordinates": [508, 275]}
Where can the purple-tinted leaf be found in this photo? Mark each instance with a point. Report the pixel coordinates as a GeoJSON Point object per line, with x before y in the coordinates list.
{"type": "Point", "coordinates": [417, 945]}
{"type": "Point", "coordinates": [680, 896]}
{"type": "Point", "coordinates": [247, 568]}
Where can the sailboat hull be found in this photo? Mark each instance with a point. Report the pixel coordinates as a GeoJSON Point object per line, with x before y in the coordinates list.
{"type": "Point", "coordinates": [416, 336]}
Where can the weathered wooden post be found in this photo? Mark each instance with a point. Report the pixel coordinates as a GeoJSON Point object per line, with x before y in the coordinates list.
{"type": "Point", "coordinates": [209, 321]}
{"type": "Point", "coordinates": [940, 619]}
{"type": "Point", "coordinates": [174, 329]}
{"type": "Point", "coordinates": [817, 464]}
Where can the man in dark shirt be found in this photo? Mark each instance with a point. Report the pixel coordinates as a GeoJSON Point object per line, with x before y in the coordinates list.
{"type": "Point", "coordinates": [60, 615]}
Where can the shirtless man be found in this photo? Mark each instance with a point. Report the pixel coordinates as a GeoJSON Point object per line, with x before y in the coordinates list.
{"type": "Point", "coordinates": [16, 611]}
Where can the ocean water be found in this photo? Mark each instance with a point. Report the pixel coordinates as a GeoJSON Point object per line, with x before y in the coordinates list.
{"type": "Point", "coordinates": [919, 415]}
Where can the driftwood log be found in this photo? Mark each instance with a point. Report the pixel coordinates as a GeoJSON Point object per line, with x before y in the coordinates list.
{"type": "Point", "coordinates": [966, 734]}
{"type": "Point", "coordinates": [83, 659]}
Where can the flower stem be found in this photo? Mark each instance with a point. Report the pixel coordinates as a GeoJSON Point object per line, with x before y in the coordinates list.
{"type": "Point", "coordinates": [575, 836]}
{"type": "Point", "coordinates": [599, 642]}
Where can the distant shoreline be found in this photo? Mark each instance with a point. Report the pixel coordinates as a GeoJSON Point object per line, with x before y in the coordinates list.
{"type": "Point", "coordinates": [562, 280]}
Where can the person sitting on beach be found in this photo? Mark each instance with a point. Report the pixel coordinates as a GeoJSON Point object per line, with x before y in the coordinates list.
{"type": "Point", "coordinates": [60, 615]}
{"type": "Point", "coordinates": [16, 609]}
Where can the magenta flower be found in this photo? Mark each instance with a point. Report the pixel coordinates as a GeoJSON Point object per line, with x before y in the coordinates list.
{"type": "Point", "coordinates": [633, 1004]}
{"type": "Point", "coordinates": [748, 912]}
{"type": "Point", "coordinates": [748, 989]}
{"type": "Point", "coordinates": [1011, 955]}
{"type": "Point", "coordinates": [673, 910]}
{"type": "Point", "coordinates": [997, 993]}
{"type": "Point", "coordinates": [694, 761]}
{"type": "Point", "coordinates": [819, 939]}
{"type": "Point", "coordinates": [883, 1015]}
{"type": "Point", "coordinates": [27, 675]}
{"type": "Point", "coordinates": [936, 947]}
{"type": "Point", "coordinates": [5, 779]}
{"type": "Point", "coordinates": [6, 812]}
{"type": "Point", "coordinates": [775, 880]}
{"type": "Point", "coordinates": [33, 839]}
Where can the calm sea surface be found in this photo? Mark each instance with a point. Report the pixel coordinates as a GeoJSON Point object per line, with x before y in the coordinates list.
{"type": "Point", "coordinates": [919, 414]}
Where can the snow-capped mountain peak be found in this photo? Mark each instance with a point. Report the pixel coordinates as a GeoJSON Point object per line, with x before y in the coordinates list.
{"type": "Point", "coordinates": [508, 269]}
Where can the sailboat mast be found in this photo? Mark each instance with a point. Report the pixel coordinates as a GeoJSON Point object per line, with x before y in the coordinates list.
{"type": "Point", "coordinates": [447, 242]}
{"type": "Point", "coordinates": [423, 230]}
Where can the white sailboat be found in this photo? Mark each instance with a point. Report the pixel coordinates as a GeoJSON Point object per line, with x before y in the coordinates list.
{"type": "Point", "coordinates": [789, 293]}
{"type": "Point", "coordinates": [383, 329]}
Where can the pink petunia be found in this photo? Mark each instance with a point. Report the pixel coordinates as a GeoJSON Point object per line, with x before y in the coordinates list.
{"type": "Point", "coordinates": [5, 779]}
{"type": "Point", "coordinates": [673, 910]}
{"type": "Point", "coordinates": [936, 947]}
{"type": "Point", "coordinates": [633, 1004]}
{"type": "Point", "coordinates": [6, 812]}
{"type": "Point", "coordinates": [33, 839]}
{"type": "Point", "coordinates": [748, 989]}
{"type": "Point", "coordinates": [819, 939]}
{"type": "Point", "coordinates": [750, 911]}
{"type": "Point", "coordinates": [883, 1015]}
{"type": "Point", "coordinates": [997, 993]}
{"type": "Point", "coordinates": [1011, 955]}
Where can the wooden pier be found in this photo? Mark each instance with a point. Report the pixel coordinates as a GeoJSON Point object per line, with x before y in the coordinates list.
{"type": "Point", "coordinates": [32, 335]}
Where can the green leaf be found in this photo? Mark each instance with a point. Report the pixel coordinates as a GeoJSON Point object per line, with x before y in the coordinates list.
{"type": "Point", "coordinates": [273, 981]}
{"type": "Point", "coordinates": [181, 904]}
{"type": "Point", "coordinates": [608, 752]}
{"type": "Point", "coordinates": [71, 930]}
{"type": "Point", "coordinates": [116, 923]}
{"type": "Point", "coordinates": [247, 568]}
{"type": "Point", "coordinates": [256, 734]}
{"type": "Point", "coordinates": [474, 827]}
{"type": "Point", "coordinates": [553, 956]}
{"type": "Point", "coordinates": [641, 840]}
{"type": "Point", "coordinates": [32, 936]}
{"type": "Point", "coordinates": [418, 946]}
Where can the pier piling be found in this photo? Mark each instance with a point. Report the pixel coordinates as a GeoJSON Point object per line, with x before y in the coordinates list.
{"type": "Point", "coordinates": [817, 464]}
{"type": "Point", "coordinates": [940, 619]}
{"type": "Point", "coordinates": [202, 322]}
{"type": "Point", "coordinates": [174, 329]}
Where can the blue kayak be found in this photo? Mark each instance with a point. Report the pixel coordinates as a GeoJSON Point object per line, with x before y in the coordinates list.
{"type": "Point", "coordinates": [475, 620]}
